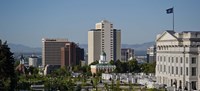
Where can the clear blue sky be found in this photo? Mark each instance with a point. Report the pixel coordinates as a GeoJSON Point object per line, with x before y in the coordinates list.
{"type": "Point", "coordinates": [28, 21]}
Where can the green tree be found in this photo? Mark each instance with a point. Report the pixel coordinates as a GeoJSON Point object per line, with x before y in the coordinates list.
{"type": "Point", "coordinates": [76, 68]}
{"type": "Point", "coordinates": [33, 70]}
{"type": "Point", "coordinates": [7, 72]}
{"type": "Point", "coordinates": [78, 88]}
{"type": "Point", "coordinates": [17, 62]}
{"type": "Point", "coordinates": [94, 63]}
{"type": "Point", "coordinates": [148, 67]}
{"type": "Point", "coordinates": [119, 67]}
{"type": "Point", "coordinates": [133, 66]}
{"type": "Point", "coordinates": [112, 62]}
{"type": "Point", "coordinates": [112, 85]}
{"type": "Point", "coordinates": [117, 88]}
{"type": "Point", "coordinates": [106, 86]}
{"type": "Point", "coordinates": [61, 72]}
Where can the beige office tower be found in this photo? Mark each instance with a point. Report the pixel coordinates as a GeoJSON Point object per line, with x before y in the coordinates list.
{"type": "Point", "coordinates": [104, 38]}
{"type": "Point", "coordinates": [51, 51]}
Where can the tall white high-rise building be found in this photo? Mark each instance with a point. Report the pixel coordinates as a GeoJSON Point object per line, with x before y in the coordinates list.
{"type": "Point", "coordinates": [178, 59]}
{"type": "Point", "coordinates": [104, 39]}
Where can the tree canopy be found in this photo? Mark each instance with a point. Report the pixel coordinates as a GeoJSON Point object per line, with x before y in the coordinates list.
{"type": "Point", "coordinates": [7, 72]}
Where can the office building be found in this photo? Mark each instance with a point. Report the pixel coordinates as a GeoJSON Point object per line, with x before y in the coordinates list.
{"type": "Point", "coordinates": [178, 59]}
{"type": "Point", "coordinates": [71, 54]}
{"type": "Point", "coordinates": [61, 52]}
{"type": "Point", "coordinates": [127, 54]}
{"type": "Point", "coordinates": [104, 38]}
{"type": "Point", "coordinates": [51, 51]}
{"type": "Point", "coordinates": [151, 54]}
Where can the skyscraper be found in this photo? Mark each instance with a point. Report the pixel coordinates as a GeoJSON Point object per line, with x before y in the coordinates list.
{"type": "Point", "coordinates": [104, 39]}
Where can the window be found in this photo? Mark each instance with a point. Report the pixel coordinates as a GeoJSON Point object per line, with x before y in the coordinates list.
{"type": "Point", "coordinates": [194, 85]}
{"type": "Point", "coordinates": [186, 59]}
{"type": "Point", "coordinates": [172, 70]}
{"type": "Point", "coordinates": [176, 70]}
{"type": "Point", "coordinates": [193, 60]}
{"type": "Point", "coordinates": [181, 60]}
{"type": "Point", "coordinates": [172, 59]}
{"type": "Point", "coordinates": [164, 59]}
{"type": "Point", "coordinates": [160, 67]}
{"type": "Point", "coordinates": [164, 68]}
{"type": "Point", "coordinates": [169, 59]}
{"type": "Point", "coordinates": [169, 69]}
{"type": "Point", "coordinates": [193, 71]}
{"type": "Point", "coordinates": [186, 71]}
{"type": "Point", "coordinates": [161, 58]}
{"type": "Point", "coordinates": [176, 59]}
{"type": "Point", "coordinates": [181, 70]}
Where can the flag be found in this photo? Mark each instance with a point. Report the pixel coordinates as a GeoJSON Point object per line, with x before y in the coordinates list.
{"type": "Point", "coordinates": [170, 10]}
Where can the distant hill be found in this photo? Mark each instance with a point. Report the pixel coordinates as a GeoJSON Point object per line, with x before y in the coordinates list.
{"type": "Point", "coordinates": [18, 48]}
{"type": "Point", "coordinates": [140, 49]}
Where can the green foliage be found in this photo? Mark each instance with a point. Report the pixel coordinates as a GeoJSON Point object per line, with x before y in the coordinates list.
{"type": "Point", "coordinates": [33, 70]}
{"type": "Point", "coordinates": [106, 86]}
{"type": "Point", "coordinates": [117, 88]}
{"type": "Point", "coordinates": [148, 67]}
{"type": "Point", "coordinates": [123, 67]}
{"type": "Point", "coordinates": [7, 73]}
{"type": "Point", "coordinates": [61, 72]}
{"type": "Point", "coordinates": [17, 62]}
{"type": "Point", "coordinates": [94, 63]}
{"type": "Point", "coordinates": [112, 62]}
{"type": "Point", "coordinates": [76, 68]}
{"type": "Point", "coordinates": [78, 88]}
{"type": "Point", "coordinates": [133, 66]}
{"type": "Point", "coordinates": [153, 89]}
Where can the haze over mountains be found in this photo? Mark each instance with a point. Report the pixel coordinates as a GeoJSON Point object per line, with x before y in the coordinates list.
{"type": "Point", "coordinates": [140, 49]}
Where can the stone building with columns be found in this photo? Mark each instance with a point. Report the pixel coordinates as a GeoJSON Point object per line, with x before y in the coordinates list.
{"type": "Point", "coordinates": [177, 60]}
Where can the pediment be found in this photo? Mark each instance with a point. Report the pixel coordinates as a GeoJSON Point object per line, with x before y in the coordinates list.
{"type": "Point", "coordinates": [167, 36]}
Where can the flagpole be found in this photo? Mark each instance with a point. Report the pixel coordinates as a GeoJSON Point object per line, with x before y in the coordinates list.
{"type": "Point", "coordinates": [173, 18]}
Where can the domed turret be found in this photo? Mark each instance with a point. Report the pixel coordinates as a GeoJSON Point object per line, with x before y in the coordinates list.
{"type": "Point", "coordinates": [103, 53]}
{"type": "Point", "coordinates": [103, 58]}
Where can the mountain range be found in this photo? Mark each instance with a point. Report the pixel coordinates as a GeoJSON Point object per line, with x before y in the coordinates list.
{"type": "Point", "coordinates": [140, 49]}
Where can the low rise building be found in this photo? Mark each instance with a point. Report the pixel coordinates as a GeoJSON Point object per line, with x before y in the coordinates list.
{"type": "Point", "coordinates": [103, 65]}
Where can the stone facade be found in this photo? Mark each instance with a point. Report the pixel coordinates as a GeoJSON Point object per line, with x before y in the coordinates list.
{"type": "Point", "coordinates": [177, 59]}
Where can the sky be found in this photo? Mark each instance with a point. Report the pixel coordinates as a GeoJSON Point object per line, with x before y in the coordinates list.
{"type": "Point", "coordinates": [28, 21]}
